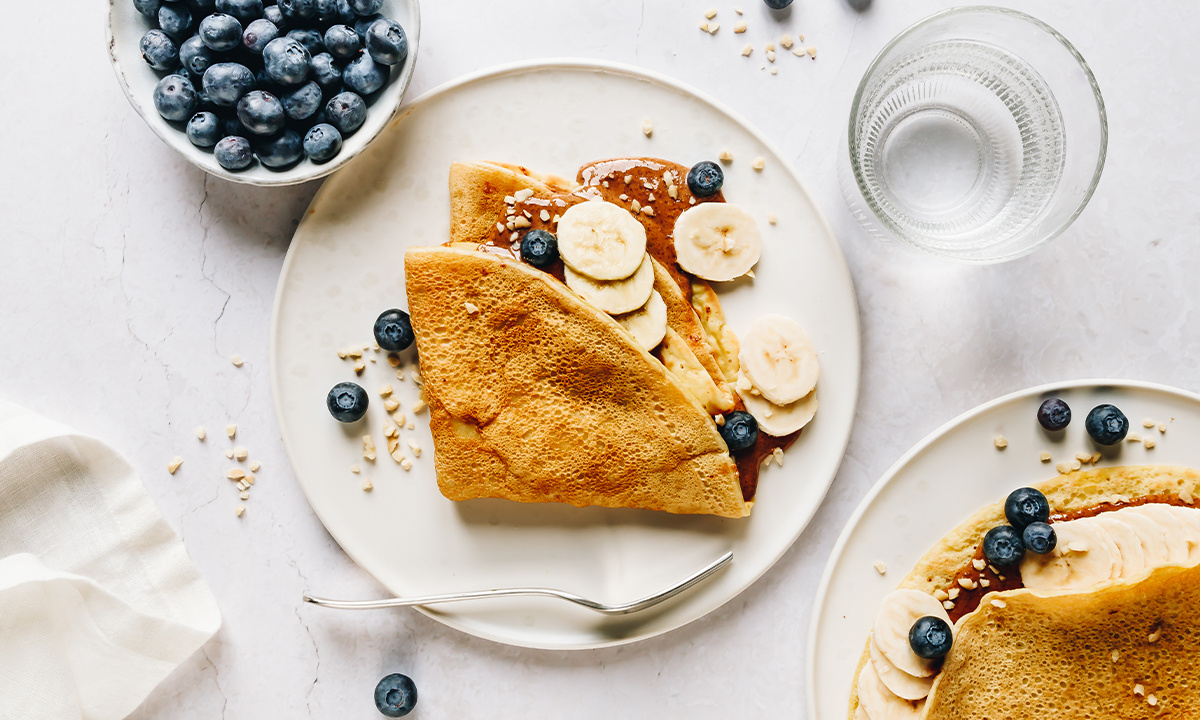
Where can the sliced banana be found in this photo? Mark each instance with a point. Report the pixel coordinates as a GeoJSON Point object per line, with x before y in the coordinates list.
{"type": "Point", "coordinates": [777, 420]}
{"type": "Point", "coordinates": [716, 241]}
{"type": "Point", "coordinates": [778, 357]}
{"type": "Point", "coordinates": [879, 702]}
{"type": "Point", "coordinates": [1133, 553]}
{"type": "Point", "coordinates": [1179, 535]}
{"type": "Point", "coordinates": [647, 324]}
{"type": "Point", "coordinates": [903, 685]}
{"type": "Point", "coordinates": [615, 296]}
{"type": "Point", "coordinates": [1084, 557]}
{"type": "Point", "coordinates": [897, 613]}
{"type": "Point", "coordinates": [1154, 544]}
{"type": "Point", "coordinates": [602, 241]}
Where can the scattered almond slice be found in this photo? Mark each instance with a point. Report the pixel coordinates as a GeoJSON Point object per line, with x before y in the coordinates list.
{"type": "Point", "coordinates": [240, 510]}
{"type": "Point", "coordinates": [739, 27]}
{"type": "Point", "coordinates": [1000, 442]}
{"type": "Point", "coordinates": [229, 453]}
{"type": "Point", "coordinates": [758, 164]}
{"type": "Point", "coordinates": [235, 474]}
{"type": "Point", "coordinates": [355, 468]}
{"type": "Point", "coordinates": [1045, 457]}
{"type": "Point", "coordinates": [725, 156]}
{"type": "Point", "coordinates": [713, 28]}
{"type": "Point", "coordinates": [368, 448]}
{"type": "Point", "coordinates": [255, 466]}
{"type": "Point", "coordinates": [647, 126]}
{"type": "Point", "coordinates": [880, 567]}
{"type": "Point", "coordinates": [385, 391]}
{"type": "Point", "coordinates": [391, 405]}
{"type": "Point", "coordinates": [237, 360]}
{"type": "Point", "coordinates": [367, 485]}
{"type": "Point", "coordinates": [201, 433]}
{"type": "Point", "coordinates": [241, 453]}
{"type": "Point", "coordinates": [710, 13]}
{"type": "Point", "coordinates": [416, 446]}
{"type": "Point", "coordinates": [746, 51]}
{"type": "Point", "coordinates": [786, 42]}
{"type": "Point", "coordinates": [812, 52]}
{"type": "Point", "coordinates": [174, 464]}
{"type": "Point", "coordinates": [418, 406]}
{"type": "Point", "coordinates": [394, 360]}
{"type": "Point", "coordinates": [359, 366]}
{"type": "Point", "coordinates": [231, 430]}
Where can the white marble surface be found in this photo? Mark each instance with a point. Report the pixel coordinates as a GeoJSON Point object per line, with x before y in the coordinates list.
{"type": "Point", "coordinates": [128, 280]}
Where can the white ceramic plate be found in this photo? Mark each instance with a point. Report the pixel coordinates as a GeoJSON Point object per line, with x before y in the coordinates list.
{"type": "Point", "coordinates": [949, 476]}
{"type": "Point", "coordinates": [345, 266]}
{"type": "Point", "coordinates": [123, 37]}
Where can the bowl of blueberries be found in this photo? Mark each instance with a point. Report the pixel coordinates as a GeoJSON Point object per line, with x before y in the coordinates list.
{"type": "Point", "coordinates": [265, 92]}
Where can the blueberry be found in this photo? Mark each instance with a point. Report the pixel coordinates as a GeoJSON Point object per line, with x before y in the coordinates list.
{"type": "Point", "coordinates": [396, 695]}
{"type": "Point", "coordinates": [233, 152]}
{"type": "Point", "coordinates": [286, 61]}
{"type": "Point", "coordinates": [342, 42]}
{"type": "Point", "coordinates": [274, 15]}
{"type": "Point", "coordinates": [326, 72]}
{"type": "Point", "coordinates": [364, 8]}
{"type": "Point", "coordinates": [312, 40]}
{"type": "Point", "coordinates": [175, 98]}
{"type": "Point", "coordinates": [1024, 506]}
{"type": "Point", "coordinates": [175, 20]}
{"type": "Point", "coordinates": [200, 8]}
{"type": "Point", "coordinates": [195, 56]}
{"type": "Point", "coordinates": [393, 330]}
{"type": "Point", "coordinates": [386, 41]}
{"type": "Point", "coordinates": [281, 151]}
{"type": "Point", "coordinates": [1002, 546]}
{"type": "Point", "coordinates": [930, 637]}
{"type": "Point", "coordinates": [705, 178]}
{"type": "Point", "coordinates": [1054, 414]}
{"type": "Point", "coordinates": [777, 4]}
{"type": "Point", "coordinates": [244, 10]}
{"type": "Point", "coordinates": [347, 402]}
{"type": "Point", "coordinates": [298, 11]}
{"type": "Point", "coordinates": [257, 34]}
{"type": "Point", "coordinates": [346, 111]}
{"type": "Point", "coordinates": [159, 51]}
{"type": "Point", "coordinates": [303, 102]}
{"type": "Point", "coordinates": [322, 143]}
{"type": "Point", "coordinates": [1039, 538]}
{"type": "Point", "coordinates": [260, 112]}
{"type": "Point", "coordinates": [362, 24]}
{"type": "Point", "coordinates": [231, 126]}
{"type": "Point", "coordinates": [363, 75]}
{"type": "Point", "coordinates": [1107, 425]}
{"type": "Point", "coordinates": [335, 12]}
{"type": "Point", "coordinates": [221, 32]}
{"type": "Point", "coordinates": [740, 431]}
{"type": "Point", "coordinates": [204, 129]}
{"type": "Point", "coordinates": [539, 248]}
{"type": "Point", "coordinates": [149, 8]}
{"type": "Point", "coordinates": [226, 83]}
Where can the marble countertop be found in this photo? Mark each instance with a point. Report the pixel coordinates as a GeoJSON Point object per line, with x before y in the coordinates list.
{"type": "Point", "coordinates": [128, 279]}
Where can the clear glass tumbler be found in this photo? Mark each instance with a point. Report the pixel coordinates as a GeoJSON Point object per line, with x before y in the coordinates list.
{"type": "Point", "coordinates": [977, 134]}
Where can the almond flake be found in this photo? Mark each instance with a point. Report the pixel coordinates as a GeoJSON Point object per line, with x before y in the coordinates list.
{"type": "Point", "coordinates": [174, 465]}
{"type": "Point", "coordinates": [739, 26]}
{"type": "Point", "coordinates": [1000, 442]}
{"type": "Point", "coordinates": [544, 215]}
{"type": "Point", "coordinates": [786, 42]}
{"type": "Point", "coordinates": [231, 430]}
{"type": "Point", "coordinates": [355, 469]}
{"type": "Point", "coordinates": [523, 195]}
{"type": "Point", "coordinates": [391, 432]}
{"type": "Point", "coordinates": [359, 366]}
{"type": "Point", "coordinates": [998, 603]}
{"type": "Point", "coordinates": [235, 474]}
{"type": "Point", "coordinates": [880, 567]}
{"type": "Point", "coordinates": [1045, 457]}
{"type": "Point", "coordinates": [385, 391]}
{"type": "Point", "coordinates": [710, 13]}
{"type": "Point", "coordinates": [1139, 689]}
{"type": "Point", "coordinates": [406, 463]}
{"type": "Point", "coordinates": [648, 211]}
{"type": "Point", "coordinates": [725, 157]}
{"type": "Point", "coordinates": [1154, 636]}
{"type": "Point", "coordinates": [984, 582]}
{"type": "Point", "coordinates": [758, 164]}
{"type": "Point", "coordinates": [237, 361]}
{"type": "Point", "coordinates": [948, 604]}
{"type": "Point", "coordinates": [416, 446]}
{"type": "Point", "coordinates": [747, 50]}
{"type": "Point", "coordinates": [1186, 496]}
{"type": "Point", "coordinates": [242, 485]}
{"type": "Point", "coordinates": [394, 360]}
{"type": "Point", "coordinates": [1133, 438]}
{"type": "Point", "coordinates": [521, 223]}
{"type": "Point", "coordinates": [354, 353]}
{"type": "Point", "coordinates": [396, 453]}
{"type": "Point", "coordinates": [940, 595]}
{"type": "Point", "coordinates": [255, 466]}
{"type": "Point", "coordinates": [770, 47]}
{"type": "Point", "coordinates": [1151, 700]}
{"type": "Point", "coordinates": [1096, 457]}
{"type": "Point", "coordinates": [704, 26]}
{"type": "Point", "coordinates": [673, 191]}
{"type": "Point", "coordinates": [1148, 423]}
{"type": "Point", "coordinates": [416, 376]}
{"type": "Point", "coordinates": [1083, 457]}
{"type": "Point", "coordinates": [201, 433]}
{"type": "Point", "coordinates": [774, 71]}
{"type": "Point", "coordinates": [967, 584]}
{"type": "Point", "coordinates": [812, 52]}
{"type": "Point", "coordinates": [1116, 655]}
{"type": "Point", "coordinates": [471, 308]}
{"type": "Point", "coordinates": [770, 56]}
{"type": "Point", "coordinates": [713, 28]}
{"type": "Point", "coordinates": [240, 510]}
{"type": "Point", "coordinates": [798, 52]}
{"type": "Point", "coordinates": [737, 9]}
{"type": "Point", "coordinates": [245, 495]}
{"type": "Point", "coordinates": [368, 448]}
{"type": "Point", "coordinates": [1162, 427]}
{"type": "Point", "coordinates": [1063, 468]}
{"type": "Point", "coordinates": [241, 453]}
{"type": "Point", "coordinates": [772, 218]}
{"type": "Point", "coordinates": [778, 453]}
{"type": "Point", "coordinates": [647, 126]}
{"type": "Point", "coordinates": [410, 426]}
{"type": "Point", "coordinates": [952, 593]}
{"type": "Point", "coordinates": [979, 564]}
{"type": "Point", "coordinates": [500, 228]}
{"type": "Point", "coordinates": [1149, 443]}
{"type": "Point", "coordinates": [509, 200]}
{"type": "Point", "coordinates": [229, 453]}
{"type": "Point", "coordinates": [418, 406]}
{"type": "Point", "coordinates": [391, 405]}
{"type": "Point", "coordinates": [636, 206]}
{"type": "Point", "coordinates": [367, 485]}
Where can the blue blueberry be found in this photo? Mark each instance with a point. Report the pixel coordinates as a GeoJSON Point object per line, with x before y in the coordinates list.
{"type": "Point", "coordinates": [274, 15]}
{"type": "Point", "coordinates": [363, 8]}
{"type": "Point", "coordinates": [281, 151]}
{"type": "Point", "coordinates": [175, 20]}
{"type": "Point", "coordinates": [1003, 546]}
{"type": "Point", "coordinates": [200, 8]}
{"type": "Point", "coordinates": [226, 83]}
{"type": "Point", "coordinates": [303, 102]}
{"type": "Point", "coordinates": [342, 42]}
{"type": "Point", "coordinates": [286, 61]}
{"type": "Point", "coordinates": [362, 24]}
{"type": "Point", "coordinates": [149, 8]}
{"type": "Point", "coordinates": [740, 431]}
{"type": "Point", "coordinates": [195, 57]}
{"type": "Point", "coordinates": [221, 32]}
{"type": "Point", "coordinates": [1026, 505]}
{"type": "Point", "coordinates": [930, 637]}
{"type": "Point", "coordinates": [705, 179]}
{"type": "Point", "coordinates": [396, 695]}
{"type": "Point", "coordinates": [298, 12]}
{"type": "Point", "coordinates": [335, 12]}
{"type": "Point", "coordinates": [257, 34]}
{"type": "Point", "coordinates": [204, 129]}
{"type": "Point", "coordinates": [539, 248]}
{"type": "Point", "coordinates": [1054, 414]}
{"type": "Point", "coordinates": [233, 152]}
{"type": "Point", "coordinates": [312, 40]}
{"type": "Point", "coordinates": [175, 98]}
{"type": "Point", "coordinates": [346, 112]}
{"type": "Point", "coordinates": [1039, 538]}
{"type": "Point", "coordinates": [231, 126]}
{"type": "Point", "coordinates": [387, 42]}
{"type": "Point", "coordinates": [159, 51]}
{"type": "Point", "coordinates": [326, 73]}
{"type": "Point", "coordinates": [260, 112]}
{"type": "Point", "coordinates": [244, 10]}
{"type": "Point", "coordinates": [393, 330]}
{"type": "Point", "coordinates": [777, 4]}
{"type": "Point", "coordinates": [363, 75]}
{"type": "Point", "coordinates": [347, 402]}
{"type": "Point", "coordinates": [322, 143]}
{"type": "Point", "coordinates": [1107, 425]}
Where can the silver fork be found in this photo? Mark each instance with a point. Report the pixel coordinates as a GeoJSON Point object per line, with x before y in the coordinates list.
{"type": "Point", "coordinates": [622, 609]}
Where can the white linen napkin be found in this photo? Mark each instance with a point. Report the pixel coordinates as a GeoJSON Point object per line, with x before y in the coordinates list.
{"type": "Point", "coordinates": [98, 599]}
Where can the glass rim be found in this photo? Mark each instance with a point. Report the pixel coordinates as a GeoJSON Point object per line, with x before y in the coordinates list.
{"type": "Point", "coordinates": [1101, 158]}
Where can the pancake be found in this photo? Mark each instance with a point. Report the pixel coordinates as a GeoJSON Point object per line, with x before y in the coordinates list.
{"type": "Point", "coordinates": [478, 189]}
{"type": "Point", "coordinates": [536, 396]}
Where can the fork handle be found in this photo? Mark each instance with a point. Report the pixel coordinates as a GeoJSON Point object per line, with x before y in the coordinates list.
{"type": "Point", "coordinates": [449, 597]}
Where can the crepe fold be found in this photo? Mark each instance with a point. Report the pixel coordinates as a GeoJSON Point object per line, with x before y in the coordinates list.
{"type": "Point", "coordinates": [536, 396]}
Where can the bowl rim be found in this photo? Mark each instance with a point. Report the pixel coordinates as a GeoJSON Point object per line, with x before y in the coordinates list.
{"type": "Point", "coordinates": [284, 178]}
{"type": "Point", "coordinates": [882, 226]}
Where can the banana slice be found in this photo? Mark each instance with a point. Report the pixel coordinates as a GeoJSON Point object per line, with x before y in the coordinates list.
{"type": "Point", "coordinates": [615, 296]}
{"type": "Point", "coordinates": [878, 702]}
{"type": "Point", "coordinates": [778, 357]}
{"type": "Point", "coordinates": [647, 324]}
{"type": "Point", "coordinates": [897, 613]}
{"type": "Point", "coordinates": [1084, 557]}
{"type": "Point", "coordinates": [903, 685]}
{"type": "Point", "coordinates": [602, 241]}
{"type": "Point", "coordinates": [716, 241]}
{"type": "Point", "coordinates": [1178, 534]}
{"type": "Point", "coordinates": [1133, 554]}
{"type": "Point", "coordinates": [1154, 545]}
{"type": "Point", "coordinates": [776, 420]}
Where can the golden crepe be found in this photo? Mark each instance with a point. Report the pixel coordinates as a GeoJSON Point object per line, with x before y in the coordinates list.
{"type": "Point", "coordinates": [536, 396]}
{"type": "Point", "coordinates": [1098, 652]}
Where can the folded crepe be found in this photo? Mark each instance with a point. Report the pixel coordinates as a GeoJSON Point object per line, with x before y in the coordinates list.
{"type": "Point", "coordinates": [537, 396]}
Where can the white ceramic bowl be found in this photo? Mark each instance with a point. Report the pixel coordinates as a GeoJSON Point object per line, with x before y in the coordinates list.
{"type": "Point", "coordinates": [124, 34]}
